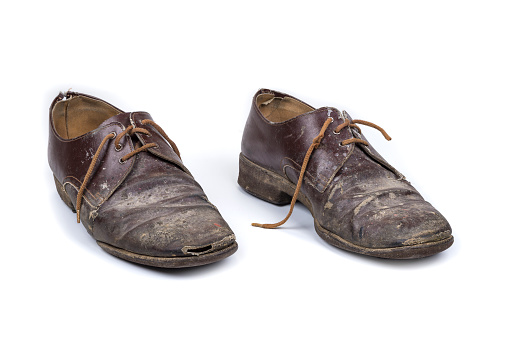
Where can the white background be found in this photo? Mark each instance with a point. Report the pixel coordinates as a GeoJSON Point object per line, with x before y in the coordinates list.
{"type": "Point", "coordinates": [433, 74]}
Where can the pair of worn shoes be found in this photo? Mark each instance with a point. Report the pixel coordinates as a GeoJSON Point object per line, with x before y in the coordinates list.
{"type": "Point", "coordinates": [124, 178]}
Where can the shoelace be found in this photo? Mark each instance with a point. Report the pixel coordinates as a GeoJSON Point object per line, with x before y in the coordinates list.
{"type": "Point", "coordinates": [129, 130]}
{"type": "Point", "coordinates": [315, 144]}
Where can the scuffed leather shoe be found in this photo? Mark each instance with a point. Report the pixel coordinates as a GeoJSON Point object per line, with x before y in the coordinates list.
{"type": "Point", "coordinates": [360, 203]}
{"type": "Point", "coordinates": [124, 177]}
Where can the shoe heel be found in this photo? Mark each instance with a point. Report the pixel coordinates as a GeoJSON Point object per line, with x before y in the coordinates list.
{"type": "Point", "coordinates": [263, 183]}
{"type": "Point", "coordinates": [63, 195]}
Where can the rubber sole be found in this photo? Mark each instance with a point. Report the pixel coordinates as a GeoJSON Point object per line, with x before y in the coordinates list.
{"type": "Point", "coordinates": [274, 188]}
{"type": "Point", "coordinates": [170, 262]}
{"type": "Point", "coordinates": [402, 252]}
{"type": "Point", "coordinates": [163, 262]}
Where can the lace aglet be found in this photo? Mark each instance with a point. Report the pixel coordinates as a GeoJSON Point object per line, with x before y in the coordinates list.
{"type": "Point", "coordinates": [269, 226]}
{"type": "Point", "coordinates": [78, 215]}
{"type": "Point", "coordinates": [387, 137]}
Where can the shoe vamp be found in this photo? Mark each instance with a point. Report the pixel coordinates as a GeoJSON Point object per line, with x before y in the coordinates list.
{"type": "Point", "coordinates": [159, 210]}
{"type": "Point", "coordinates": [388, 218]}
{"type": "Point", "coordinates": [370, 206]}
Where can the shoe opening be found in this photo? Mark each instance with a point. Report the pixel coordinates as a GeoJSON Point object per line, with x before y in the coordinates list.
{"type": "Point", "coordinates": [279, 109]}
{"type": "Point", "coordinates": [79, 115]}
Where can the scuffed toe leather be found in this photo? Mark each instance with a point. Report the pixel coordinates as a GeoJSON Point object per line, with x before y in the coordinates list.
{"type": "Point", "coordinates": [403, 225]}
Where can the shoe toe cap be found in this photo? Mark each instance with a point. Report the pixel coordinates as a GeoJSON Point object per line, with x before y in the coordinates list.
{"type": "Point", "coordinates": [188, 232]}
{"type": "Point", "coordinates": [183, 235]}
{"type": "Point", "coordinates": [409, 224]}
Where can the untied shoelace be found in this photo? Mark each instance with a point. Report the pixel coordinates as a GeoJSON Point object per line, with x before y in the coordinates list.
{"type": "Point", "coordinates": [315, 144]}
{"type": "Point", "coordinates": [129, 130]}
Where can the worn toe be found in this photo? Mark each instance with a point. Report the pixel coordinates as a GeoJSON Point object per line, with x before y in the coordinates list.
{"type": "Point", "coordinates": [197, 232]}
{"type": "Point", "coordinates": [408, 224]}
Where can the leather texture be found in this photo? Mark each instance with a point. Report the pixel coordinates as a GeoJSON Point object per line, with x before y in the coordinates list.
{"type": "Point", "coordinates": [353, 192]}
{"type": "Point", "coordinates": [148, 205]}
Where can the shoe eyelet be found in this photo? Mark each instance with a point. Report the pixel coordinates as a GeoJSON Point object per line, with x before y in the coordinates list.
{"type": "Point", "coordinates": [120, 146]}
{"type": "Point", "coordinates": [121, 162]}
{"type": "Point", "coordinates": [335, 132]}
{"type": "Point", "coordinates": [114, 134]}
{"type": "Point", "coordinates": [156, 146]}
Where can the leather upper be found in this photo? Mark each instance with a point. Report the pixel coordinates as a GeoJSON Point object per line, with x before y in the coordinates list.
{"type": "Point", "coordinates": [353, 191]}
{"type": "Point", "coordinates": [149, 204]}
{"type": "Point", "coordinates": [281, 146]}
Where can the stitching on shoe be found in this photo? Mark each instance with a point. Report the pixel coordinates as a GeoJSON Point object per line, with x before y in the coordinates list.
{"type": "Point", "coordinates": [309, 182]}
{"type": "Point", "coordinates": [68, 182]}
{"type": "Point", "coordinates": [77, 189]}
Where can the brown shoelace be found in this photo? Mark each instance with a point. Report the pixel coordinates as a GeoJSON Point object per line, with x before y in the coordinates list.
{"type": "Point", "coordinates": [313, 146]}
{"type": "Point", "coordinates": [129, 130]}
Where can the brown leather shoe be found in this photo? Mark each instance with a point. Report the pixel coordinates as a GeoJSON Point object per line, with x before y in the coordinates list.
{"type": "Point", "coordinates": [124, 177]}
{"type": "Point", "coordinates": [360, 203]}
